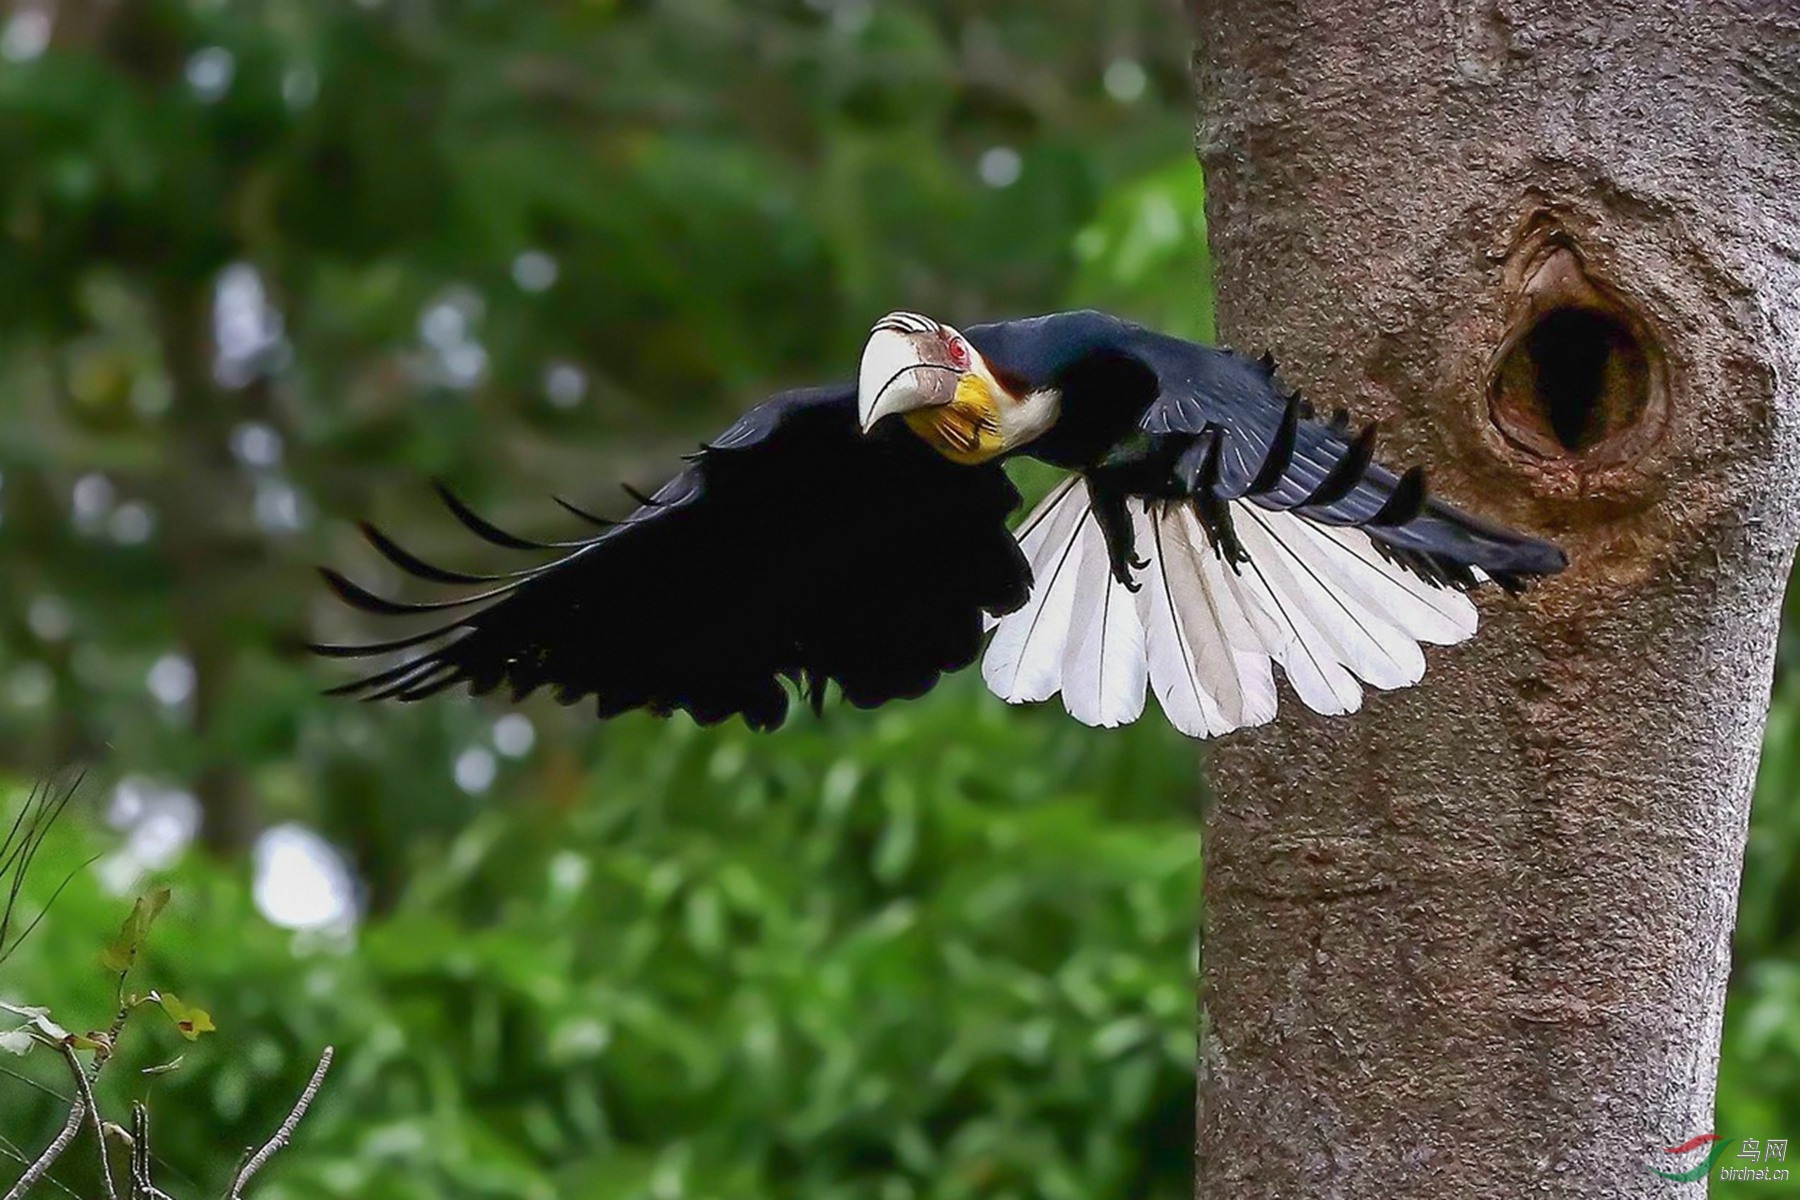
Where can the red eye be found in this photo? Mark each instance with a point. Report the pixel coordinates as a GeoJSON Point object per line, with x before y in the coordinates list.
{"type": "Point", "coordinates": [959, 352]}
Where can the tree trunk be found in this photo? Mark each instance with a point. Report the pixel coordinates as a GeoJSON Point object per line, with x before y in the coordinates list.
{"type": "Point", "coordinates": [1474, 940]}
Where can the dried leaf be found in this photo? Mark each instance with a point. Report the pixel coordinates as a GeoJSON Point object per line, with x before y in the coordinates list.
{"type": "Point", "coordinates": [37, 1023]}
{"type": "Point", "coordinates": [38, 1028]}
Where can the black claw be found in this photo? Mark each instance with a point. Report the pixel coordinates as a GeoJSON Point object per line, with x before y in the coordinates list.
{"type": "Point", "coordinates": [1111, 511]}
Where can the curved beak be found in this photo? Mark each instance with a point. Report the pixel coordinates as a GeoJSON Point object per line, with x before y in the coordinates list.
{"type": "Point", "coordinates": [903, 369]}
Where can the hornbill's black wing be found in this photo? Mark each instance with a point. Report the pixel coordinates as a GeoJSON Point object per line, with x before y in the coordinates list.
{"type": "Point", "coordinates": [1257, 441]}
{"type": "Point", "coordinates": [792, 547]}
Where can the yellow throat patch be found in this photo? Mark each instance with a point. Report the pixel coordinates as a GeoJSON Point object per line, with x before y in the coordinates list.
{"type": "Point", "coordinates": [966, 430]}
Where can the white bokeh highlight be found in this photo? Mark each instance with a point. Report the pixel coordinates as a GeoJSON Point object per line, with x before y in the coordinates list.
{"type": "Point", "coordinates": [91, 502]}
{"type": "Point", "coordinates": [210, 72]}
{"type": "Point", "coordinates": [171, 680]}
{"type": "Point", "coordinates": [256, 444]}
{"type": "Point", "coordinates": [535, 271]}
{"type": "Point", "coordinates": [514, 735]}
{"type": "Point", "coordinates": [301, 882]}
{"type": "Point", "coordinates": [132, 523]}
{"type": "Point", "coordinates": [248, 333]}
{"type": "Point", "coordinates": [475, 769]}
{"type": "Point", "coordinates": [565, 384]}
{"type": "Point", "coordinates": [158, 822]}
{"type": "Point", "coordinates": [1000, 166]}
{"type": "Point", "coordinates": [1125, 80]}
{"type": "Point", "coordinates": [279, 506]}
{"type": "Point", "coordinates": [27, 32]}
{"type": "Point", "coordinates": [454, 356]}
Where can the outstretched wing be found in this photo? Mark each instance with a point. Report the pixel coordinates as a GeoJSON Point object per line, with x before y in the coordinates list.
{"type": "Point", "coordinates": [792, 548]}
{"type": "Point", "coordinates": [1257, 441]}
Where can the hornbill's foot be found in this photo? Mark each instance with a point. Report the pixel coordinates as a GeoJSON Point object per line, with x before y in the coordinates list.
{"type": "Point", "coordinates": [1115, 527]}
{"type": "Point", "coordinates": [1125, 569]}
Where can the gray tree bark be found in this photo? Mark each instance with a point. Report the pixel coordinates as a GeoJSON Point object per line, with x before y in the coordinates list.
{"type": "Point", "coordinates": [1474, 940]}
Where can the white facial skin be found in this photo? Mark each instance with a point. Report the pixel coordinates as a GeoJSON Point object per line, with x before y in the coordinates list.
{"type": "Point", "coordinates": [910, 362]}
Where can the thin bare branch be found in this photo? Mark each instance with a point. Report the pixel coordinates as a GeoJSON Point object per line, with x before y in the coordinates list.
{"type": "Point", "coordinates": [87, 1101]}
{"type": "Point", "coordinates": [141, 1187]}
{"type": "Point", "coordinates": [52, 1152]}
{"type": "Point", "coordinates": [13, 1152]}
{"type": "Point", "coordinates": [285, 1132]}
{"type": "Point", "coordinates": [140, 1150]}
{"type": "Point", "coordinates": [10, 1149]}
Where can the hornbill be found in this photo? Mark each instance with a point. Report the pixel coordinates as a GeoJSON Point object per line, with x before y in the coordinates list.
{"type": "Point", "coordinates": [1211, 526]}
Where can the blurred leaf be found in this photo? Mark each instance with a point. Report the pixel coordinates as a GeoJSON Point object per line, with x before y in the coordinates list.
{"type": "Point", "coordinates": [1144, 255]}
{"type": "Point", "coordinates": [121, 953]}
{"type": "Point", "coordinates": [190, 1022]}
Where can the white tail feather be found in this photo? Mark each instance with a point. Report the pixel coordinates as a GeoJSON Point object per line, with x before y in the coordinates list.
{"type": "Point", "coordinates": [1279, 615]}
{"type": "Point", "coordinates": [1329, 651]}
{"type": "Point", "coordinates": [1104, 670]}
{"type": "Point", "coordinates": [1205, 685]}
{"type": "Point", "coordinates": [1024, 658]}
{"type": "Point", "coordinates": [1320, 601]}
{"type": "Point", "coordinates": [1217, 582]}
{"type": "Point", "coordinates": [1434, 615]}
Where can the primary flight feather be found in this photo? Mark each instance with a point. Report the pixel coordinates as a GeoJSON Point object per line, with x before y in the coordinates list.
{"type": "Point", "coordinates": [1211, 529]}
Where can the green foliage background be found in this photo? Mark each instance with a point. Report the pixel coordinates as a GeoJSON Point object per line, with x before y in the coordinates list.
{"type": "Point", "coordinates": [945, 950]}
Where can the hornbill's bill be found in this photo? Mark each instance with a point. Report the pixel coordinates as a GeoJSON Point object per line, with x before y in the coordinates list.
{"type": "Point", "coordinates": [856, 534]}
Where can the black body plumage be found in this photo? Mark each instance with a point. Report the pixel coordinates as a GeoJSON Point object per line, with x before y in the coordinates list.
{"type": "Point", "coordinates": [792, 548]}
{"type": "Point", "coordinates": [1220, 426]}
{"type": "Point", "coordinates": [796, 550]}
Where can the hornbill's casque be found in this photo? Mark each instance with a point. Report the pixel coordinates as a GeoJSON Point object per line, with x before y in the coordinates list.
{"type": "Point", "coordinates": [1211, 526]}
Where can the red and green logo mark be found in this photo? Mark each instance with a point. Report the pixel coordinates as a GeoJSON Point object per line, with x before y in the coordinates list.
{"type": "Point", "coordinates": [1718, 1146]}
